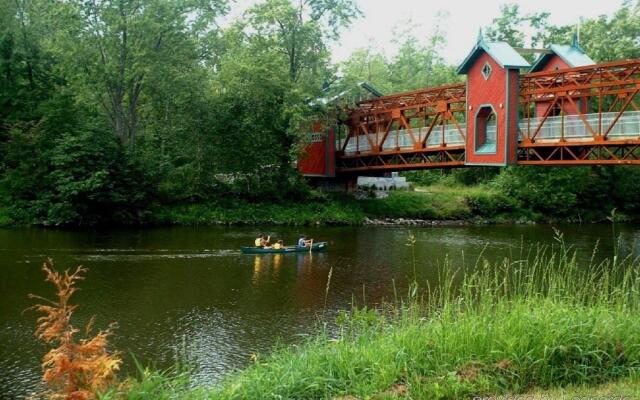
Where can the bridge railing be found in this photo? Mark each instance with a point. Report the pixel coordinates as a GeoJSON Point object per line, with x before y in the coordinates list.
{"type": "Point", "coordinates": [401, 139]}
{"type": "Point", "coordinates": [574, 127]}
{"type": "Point", "coordinates": [567, 127]}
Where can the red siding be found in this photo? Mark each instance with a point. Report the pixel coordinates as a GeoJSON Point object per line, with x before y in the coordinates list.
{"type": "Point", "coordinates": [554, 63]}
{"type": "Point", "coordinates": [486, 92]}
{"type": "Point", "coordinates": [318, 158]}
{"type": "Point", "coordinates": [512, 139]}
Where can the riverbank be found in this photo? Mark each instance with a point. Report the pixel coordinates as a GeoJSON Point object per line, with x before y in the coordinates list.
{"type": "Point", "coordinates": [532, 325]}
{"type": "Point", "coordinates": [432, 205]}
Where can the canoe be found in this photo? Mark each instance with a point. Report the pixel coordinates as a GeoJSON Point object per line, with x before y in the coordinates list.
{"type": "Point", "coordinates": [287, 249]}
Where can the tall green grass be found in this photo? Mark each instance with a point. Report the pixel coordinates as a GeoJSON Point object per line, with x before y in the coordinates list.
{"type": "Point", "coordinates": [540, 319]}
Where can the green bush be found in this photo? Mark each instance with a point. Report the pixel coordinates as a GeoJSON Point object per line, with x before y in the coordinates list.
{"type": "Point", "coordinates": [550, 191]}
{"type": "Point", "coordinates": [475, 175]}
{"type": "Point", "coordinates": [490, 204]}
{"type": "Point", "coordinates": [425, 178]}
{"type": "Point", "coordinates": [69, 170]}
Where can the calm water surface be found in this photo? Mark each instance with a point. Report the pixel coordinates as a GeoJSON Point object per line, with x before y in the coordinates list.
{"type": "Point", "coordinates": [189, 293]}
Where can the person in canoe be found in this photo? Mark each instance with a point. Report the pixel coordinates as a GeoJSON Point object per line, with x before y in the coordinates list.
{"type": "Point", "coordinates": [262, 241]}
{"type": "Point", "coordinates": [304, 242]}
{"type": "Point", "coordinates": [279, 245]}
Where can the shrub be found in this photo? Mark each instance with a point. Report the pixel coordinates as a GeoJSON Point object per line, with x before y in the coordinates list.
{"type": "Point", "coordinates": [490, 204]}
{"type": "Point", "coordinates": [73, 369]}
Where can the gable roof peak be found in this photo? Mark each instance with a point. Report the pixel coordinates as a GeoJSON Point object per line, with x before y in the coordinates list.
{"type": "Point", "coordinates": [500, 52]}
{"type": "Point", "coordinates": [572, 54]}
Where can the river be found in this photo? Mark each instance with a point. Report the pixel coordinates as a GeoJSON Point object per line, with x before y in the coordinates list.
{"type": "Point", "coordinates": [189, 294]}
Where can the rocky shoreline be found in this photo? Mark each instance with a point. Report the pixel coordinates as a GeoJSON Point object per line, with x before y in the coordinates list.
{"type": "Point", "coordinates": [415, 222]}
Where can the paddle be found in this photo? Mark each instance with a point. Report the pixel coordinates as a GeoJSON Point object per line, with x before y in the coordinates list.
{"type": "Point", "coordinates": [311, 246]}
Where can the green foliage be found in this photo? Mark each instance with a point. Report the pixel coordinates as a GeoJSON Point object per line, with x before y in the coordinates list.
{"type": "Point", "coordinates": [608, 39]}
{"type": "Point", "coordinates": [528, 193]}
{"type": "Point", "coordinates": [585, 193]}
{"type": "Point", "coordinates": [488, 204]}
{"type": "Point", "coordinates": [510, 27]}
{"type": "Point", "coordinates": [200, 113]}
{"type": "Point", "coordinates": [415, 66]}
{"type": "Point", "coordinates": [474, 176]}
{"type": "Point", "coordinates": [603, 38]}
{"type": "Point", "coordinates": [425, 178]}
{"type": "Point", "coordinates": [65, 170]}
{"type": "Point", "coordinates": [550, 191]}
{"type": "Point", "coordinates": [626, 186]}
{"type": "Point", "coordinates": [254, 213]}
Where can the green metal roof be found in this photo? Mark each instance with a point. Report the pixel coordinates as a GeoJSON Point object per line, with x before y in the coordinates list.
{"type": "Point", "coordinates": [501, 52]}
{"type": "Point", "coordinates": [572, 54]}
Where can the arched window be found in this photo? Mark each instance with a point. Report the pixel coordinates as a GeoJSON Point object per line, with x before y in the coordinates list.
{"type": "Point", "coordinates": [486, 130]}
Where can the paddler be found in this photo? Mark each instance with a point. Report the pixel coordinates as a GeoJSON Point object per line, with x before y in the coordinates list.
{"type": "Point", "coordinates": [303, 242]}
{"type": "Point", "coordinates": [262, 241]}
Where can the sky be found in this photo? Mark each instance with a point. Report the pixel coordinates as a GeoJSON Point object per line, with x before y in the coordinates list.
{"type": "Point", "coordinates": [462, 21]}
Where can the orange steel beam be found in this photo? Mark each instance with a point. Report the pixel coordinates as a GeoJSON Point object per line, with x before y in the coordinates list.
{"type": "Point", "coordinates": [442, 157]}
{"type": "Point", "coordinates": [581, 154]}
{"type": "Point", "coordinates": [454, 93]}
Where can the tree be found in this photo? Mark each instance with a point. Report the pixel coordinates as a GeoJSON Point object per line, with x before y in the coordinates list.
{"type": "Point", "coordinates": [25, 64]}
{"type": "Point", "coordinates": [616, 38]}
{"type": "Point", "coordinates": [299, 30]}
{"type": "Point", "coordinates": [114, 48]}
{"type": "Point", "coordinates": [274, 63]}
{"type": "Point", "coordinates": [418, 65]}
{"type": "Point", "coordinates": [511, 25]}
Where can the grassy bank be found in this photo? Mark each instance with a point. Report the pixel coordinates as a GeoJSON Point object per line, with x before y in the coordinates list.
{"type": "Point", "coordinates": [436, 202]}
{"type": "Point", "coordinates": [536, 322]}
{"type": "Point", "coordinates": [447, 202]}
{"type": "Point", "coordinates": [441, 201]}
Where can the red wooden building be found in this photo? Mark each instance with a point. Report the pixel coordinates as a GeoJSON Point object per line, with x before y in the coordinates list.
{"type": "Point", "coordinates": [492, 71]}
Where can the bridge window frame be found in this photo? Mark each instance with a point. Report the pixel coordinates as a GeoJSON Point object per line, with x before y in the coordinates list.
{"type": "Point", "coordinates": [484, 114]}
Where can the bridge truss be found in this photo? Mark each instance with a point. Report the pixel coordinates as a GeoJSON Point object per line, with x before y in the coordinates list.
{"type": "Point", "coordinates": [419, 129]}
{"type": "Point", "coordinates": [590, 115]}
{"type": "Point", "coordinates": [579, 116]}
